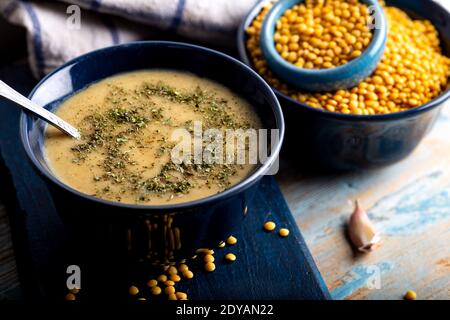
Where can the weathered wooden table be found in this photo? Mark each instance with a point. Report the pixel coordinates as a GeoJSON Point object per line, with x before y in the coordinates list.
{"type": "Point", "coordinates": [409, 202]}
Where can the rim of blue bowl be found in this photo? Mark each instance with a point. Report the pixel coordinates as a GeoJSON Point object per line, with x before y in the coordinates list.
{"type": "Point", "coordinates": [377, 43]}
{"type": "Point", "coordinates": [243, 55]}
{"type": "Point", "coordinates": [242, 185]}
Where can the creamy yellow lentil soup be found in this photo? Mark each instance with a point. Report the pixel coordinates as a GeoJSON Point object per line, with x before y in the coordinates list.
{"type": "Point", "coordinates": [127, 121]}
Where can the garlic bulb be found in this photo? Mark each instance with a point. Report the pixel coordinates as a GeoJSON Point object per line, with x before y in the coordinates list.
{"type": "Point", "coordinates": [361, 230]}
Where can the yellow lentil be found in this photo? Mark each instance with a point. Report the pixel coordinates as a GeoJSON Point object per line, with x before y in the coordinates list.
{"type": "Point", "coordinates": [230, 257]}
{"type": "Point", "coordinates": [172, 270]}
{"type": "Point", "coordinates": [172, 296]}
{"type": "Point", "coordinates": [269, 226]}
{"type": "Point", "coordinates": [231, 240]}
{"type": "Point", "coordinates": [175, 278]}
{"type": "Point", "coordinates": [205, 251]}
{"type": "Point", "coordinates": [162, 278]}
{"type": "Point", "coordinates": [181, 295]}
{"type": "Point", "coordinates": [169, 290]}
{"type": "Point", "coordinates": [152, 283]}
{"type": "Point", "coordinates": [155, 291]}
{"type": "Point", "coordinates": [142, 299]}
{"type": "Point", "coordinates": [210, 266]}
{"type": "Point", "coordinates": [410, 295]}
{"type": "Point", "coordinates": [169, 283]}
{"type": "Point", "coordinates": [183, 267]}
{"type": "Point", "coordinates": [133, 290]}
{"type": "Point", "coordinates": [221, 244]}
{"type": "Point", "coordinates": [412, 71]}
{"type": "Point", "coordinates": [188, 274]}
{"type": "Point", "coordinates": [283, 232]}
{"type": "Point", "coordinates": [70, 297]}
{"type": "Point", "coordinates": [209, 258]}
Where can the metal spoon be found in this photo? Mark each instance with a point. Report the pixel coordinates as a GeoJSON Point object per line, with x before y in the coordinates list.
{"type": "Point", "coordinates": [14, 96]}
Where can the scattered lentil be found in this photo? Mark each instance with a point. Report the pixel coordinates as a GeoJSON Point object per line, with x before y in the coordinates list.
{"type": "Point", "coordinates": [183, 267]}
{"type": "Point", "coordinates": [172, 270]}
{"type": "Point", "coordinates": [230, 257]}
{"type": "Point", "coordinates": [181, 295]}
{"type": "Point", "coordinates": [70, 297]}
{"type": "Point", "coordinates": [155, 290]}
{"type": "Point", "coordinates": [133, 290]}
{"type": "Point", "coordinates": [410, 295]}
{"type": "Point", "coordinates": [169, 283]}
{"type": "Point", "coordinates": [221, 244]}
{"type": "Point", "coordinates": [269, 226]}
{"type": "Point", "coordinates": [188, 274]}
{"type": "Point", "coordinates": [205, 251]}
{"type": "Point", "coordinates": [172, 296]}
{"type": "Point", "coordinates": [209, 258]}
{"type": "Point", "coordinates": [152, 283]}
{"type": "Point", "coordinates": [210, 266]}
{"type": "Point", "coordinates": [231, 240]}
{"type": "Point", "coordinates": [283, 232]}
{"type": "Point", "coordinates": [175, 278]}
{"type": "Point", "coordinates": [169, 290]}
{"type": "Point", "coordinates": [162, 278]}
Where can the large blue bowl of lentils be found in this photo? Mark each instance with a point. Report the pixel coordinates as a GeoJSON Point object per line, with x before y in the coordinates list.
{"type": "Point", "coordinates": [383, 119]}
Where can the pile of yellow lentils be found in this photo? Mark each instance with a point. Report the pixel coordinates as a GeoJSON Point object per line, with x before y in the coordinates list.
{"type": "Point", "coordinates": [412, 71]}
{"type": "Point", "coordinates": [319, 34]}
{"type": "Point", "coordinates": [173, 275]}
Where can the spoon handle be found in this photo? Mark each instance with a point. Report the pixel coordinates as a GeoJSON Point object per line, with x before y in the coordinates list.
{"type": "Point", "coordinates": [14, 96]}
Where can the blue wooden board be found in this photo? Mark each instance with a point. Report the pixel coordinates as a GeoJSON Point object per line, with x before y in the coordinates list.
{"type": "Point", "coordinates": [267, 266]}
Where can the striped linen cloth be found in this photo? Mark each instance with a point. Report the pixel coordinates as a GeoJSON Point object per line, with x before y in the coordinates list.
{"type": "Point", "coordinates": [54, 35]}
{"type": "Point", "coordinates": [53, 40]}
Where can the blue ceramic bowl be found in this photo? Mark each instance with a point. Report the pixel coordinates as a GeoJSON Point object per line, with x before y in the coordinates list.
{"type": "Point", "coordinates": [349, 142]}
{"type": "Point", "coordinates": [344, 76]}
{"type": "Point", "coordinates": [123, 229]}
